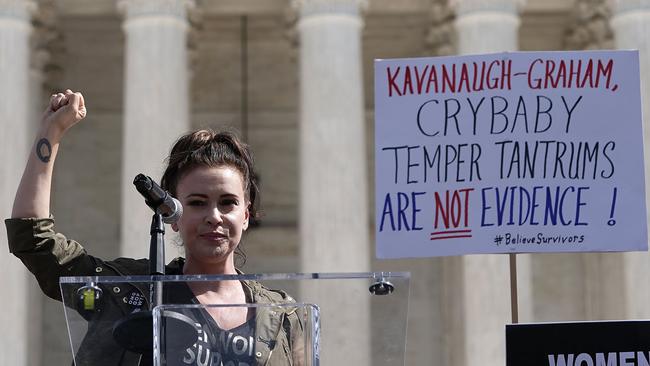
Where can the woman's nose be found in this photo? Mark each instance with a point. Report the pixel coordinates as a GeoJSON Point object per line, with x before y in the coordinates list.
{"type": "Point", "coordinates": [213, 216]}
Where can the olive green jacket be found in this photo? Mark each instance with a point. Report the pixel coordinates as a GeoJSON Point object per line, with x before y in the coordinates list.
{"type": "Point", "coordinates": [50, 255]}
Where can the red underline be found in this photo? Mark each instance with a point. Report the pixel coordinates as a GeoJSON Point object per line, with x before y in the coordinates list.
{"type": "Point", "coordinates": [452, 231]}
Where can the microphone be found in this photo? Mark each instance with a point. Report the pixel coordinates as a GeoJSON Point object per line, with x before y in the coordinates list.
{"type": "Point", "coordinates": [158, 199]}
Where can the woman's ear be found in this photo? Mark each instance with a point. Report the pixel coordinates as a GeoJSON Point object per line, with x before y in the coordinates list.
{"type": "Point", "coordinates": [247, 217]}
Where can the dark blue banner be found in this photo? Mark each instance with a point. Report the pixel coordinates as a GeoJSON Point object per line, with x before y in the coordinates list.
{"type": "Point", "coordinates": [606, 343]}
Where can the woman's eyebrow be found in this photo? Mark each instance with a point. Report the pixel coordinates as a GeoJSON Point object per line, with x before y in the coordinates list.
{"type": "Point", "coordinates": [203, 195]}
{"type": "Point", "coordinates": [198, 195]}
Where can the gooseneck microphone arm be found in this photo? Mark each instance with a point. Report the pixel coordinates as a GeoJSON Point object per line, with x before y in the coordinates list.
{"type": "Point", "coordinates": [159, 200]}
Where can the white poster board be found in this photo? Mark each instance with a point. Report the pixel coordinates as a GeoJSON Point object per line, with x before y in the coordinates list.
{"type": "Point", "coordinates": [509, 152]}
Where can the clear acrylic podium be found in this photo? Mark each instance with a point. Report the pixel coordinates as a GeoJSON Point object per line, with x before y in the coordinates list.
{"type": "Point", "coordinates": [336, 319]}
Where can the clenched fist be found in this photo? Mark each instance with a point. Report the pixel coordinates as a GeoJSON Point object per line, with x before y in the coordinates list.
{"type": "Point", "coordinates": [64, 111]}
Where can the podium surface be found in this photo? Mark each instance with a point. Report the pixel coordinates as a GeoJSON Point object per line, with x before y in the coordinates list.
{"type": "Point", "coordinates": [292, 319]}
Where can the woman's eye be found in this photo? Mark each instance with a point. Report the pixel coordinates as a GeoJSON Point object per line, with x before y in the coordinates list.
{"type": "Point", "coordinates": [195, 203]}
{"type": "Point", "coordinates": [229, 202]}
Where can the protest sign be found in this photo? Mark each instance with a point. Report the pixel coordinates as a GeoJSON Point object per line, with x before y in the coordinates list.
{"type": "Point", "coordinates": [607, 343]}
{"type": "Point", "coordinates": [509, 153]}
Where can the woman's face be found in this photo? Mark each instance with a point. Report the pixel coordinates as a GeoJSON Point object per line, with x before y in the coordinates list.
{"type": "Point", "coordinates": [215, 213]}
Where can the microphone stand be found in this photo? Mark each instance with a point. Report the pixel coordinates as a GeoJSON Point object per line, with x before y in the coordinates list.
{"type": "Point", "coordinates": [134, 332]}
{"type": "Point", "coordinates": [157, 258]}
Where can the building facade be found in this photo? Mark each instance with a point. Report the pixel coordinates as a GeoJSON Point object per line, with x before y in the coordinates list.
{"type": "Point", "coordinates": [294, 77]}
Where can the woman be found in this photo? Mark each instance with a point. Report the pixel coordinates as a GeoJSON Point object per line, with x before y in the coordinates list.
{"type": "Point", "coordinates": [212, 176]}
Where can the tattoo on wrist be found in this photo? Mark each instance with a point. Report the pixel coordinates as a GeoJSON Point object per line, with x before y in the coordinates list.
{"type": "Point", "coordinates": [44, 150]}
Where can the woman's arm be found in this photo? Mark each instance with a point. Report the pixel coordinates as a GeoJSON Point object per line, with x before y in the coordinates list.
{"type": "Point", "coordinates": [33, 195]}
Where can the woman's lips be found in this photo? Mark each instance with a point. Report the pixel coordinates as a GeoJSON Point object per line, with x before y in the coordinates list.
{"type": "Point", "coordinates": [216, 235]}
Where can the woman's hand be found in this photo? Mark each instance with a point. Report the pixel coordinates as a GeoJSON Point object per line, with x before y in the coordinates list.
{"type": "Point", "coordinates": [64, 111]}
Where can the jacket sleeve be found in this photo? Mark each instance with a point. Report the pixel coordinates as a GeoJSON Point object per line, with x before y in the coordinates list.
{"type": "Point", "coordinates": [46, 253]}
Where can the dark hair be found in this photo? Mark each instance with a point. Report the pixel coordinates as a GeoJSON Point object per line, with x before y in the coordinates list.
{"type": "Point", "coordinates": [211, 149]}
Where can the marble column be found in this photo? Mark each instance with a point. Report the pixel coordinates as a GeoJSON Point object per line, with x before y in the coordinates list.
{"type": "Point", "coordinates": [156, 106]}
{"type": "Point", "coordinates": [15, 28]}
{"type": "Point", "coordinates": [485, 26]}
{"type": "Point", "coordinates": [631, 25]}
{"type": "Point", "coordinates": [483, 295]}
{"type": "Point", "coordinates": [334, 217]}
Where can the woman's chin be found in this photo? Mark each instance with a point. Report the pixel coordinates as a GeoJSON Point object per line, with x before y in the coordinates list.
{"type": "Point", "coordinates": [219, 251]}
{"type": "Point", "coordinates": [209, 252]}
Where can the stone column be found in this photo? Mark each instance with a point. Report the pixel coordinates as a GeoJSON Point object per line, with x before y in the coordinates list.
{"type": "Point", "coordinates": [631, 25]}
{"type": "Point", "coordinates": [334, 217]}
{"type": "Point", "coordinates": [156, 102]}
{"type": "Point", "coordinates": [486, 26]}
{"type": "Point", "coordinates": [15, 28]}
